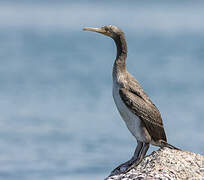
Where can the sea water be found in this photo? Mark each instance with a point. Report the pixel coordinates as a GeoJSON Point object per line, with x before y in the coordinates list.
{"type": "Point", "coordinates": [58, 120]}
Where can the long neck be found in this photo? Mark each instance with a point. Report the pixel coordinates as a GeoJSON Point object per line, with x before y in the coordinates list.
{"type": "Point", "coordinates": [120, 61]}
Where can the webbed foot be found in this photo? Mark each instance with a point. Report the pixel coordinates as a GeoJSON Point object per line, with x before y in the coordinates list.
{"type": "Point", "coordinates": [122, 168]}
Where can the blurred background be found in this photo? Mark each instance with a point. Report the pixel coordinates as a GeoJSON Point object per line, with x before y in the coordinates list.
{"type": "Point", "coordinates": [58, 120]}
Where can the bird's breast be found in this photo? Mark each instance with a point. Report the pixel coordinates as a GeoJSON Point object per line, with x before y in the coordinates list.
{"type": "Point", "coordinates": [132, 121]}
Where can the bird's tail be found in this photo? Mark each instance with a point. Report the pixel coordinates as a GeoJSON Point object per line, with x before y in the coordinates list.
{"type": "Point", "coordinates": [165, 144]}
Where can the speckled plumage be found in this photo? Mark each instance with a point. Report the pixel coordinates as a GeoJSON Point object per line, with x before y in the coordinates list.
{"type": "Point", "coordinates": [141, 116]}
{"type": "Point", "coordinates": [135, 99]}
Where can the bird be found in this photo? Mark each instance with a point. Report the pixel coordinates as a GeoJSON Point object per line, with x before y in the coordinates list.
{"type": "Point", "coordinates": [141, 116]}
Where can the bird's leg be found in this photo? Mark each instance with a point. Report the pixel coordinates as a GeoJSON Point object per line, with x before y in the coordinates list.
{"type": "Point", "coordinates": [140, 158]}
{"type": "Point", "coordinates": [137, 150]}
{"type": "Point", "coordinates": [126, 165]}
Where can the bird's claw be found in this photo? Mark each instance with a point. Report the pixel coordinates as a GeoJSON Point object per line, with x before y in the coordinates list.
{"type": "Point", "coordinates": [120, 169]}
{"type": "Point", "coordinates": [125, 167]}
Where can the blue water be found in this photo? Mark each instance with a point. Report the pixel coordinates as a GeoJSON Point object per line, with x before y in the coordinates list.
{"type": "Point", "coordinates": [58, 120]}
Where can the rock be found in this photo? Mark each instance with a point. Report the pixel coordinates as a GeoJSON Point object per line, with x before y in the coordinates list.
{"type": "Point", "coordinates": [166, 164]}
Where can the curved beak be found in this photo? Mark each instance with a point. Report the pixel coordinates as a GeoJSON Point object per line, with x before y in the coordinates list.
{"type": "Point", "coordinates": [98, 30]}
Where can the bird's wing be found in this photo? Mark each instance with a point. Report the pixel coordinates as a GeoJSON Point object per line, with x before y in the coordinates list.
{"type": "Point", "coordinates": [134, 87]}
{"type": "Point", "coordinates": [148, 113]}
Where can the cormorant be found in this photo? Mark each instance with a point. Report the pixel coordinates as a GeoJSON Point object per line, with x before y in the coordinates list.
{"type": "Point", "coordinates": [141, 116]}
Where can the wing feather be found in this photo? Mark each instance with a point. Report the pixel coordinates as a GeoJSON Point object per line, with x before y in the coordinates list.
{"type": "Point", "coordinates": [147, 112]}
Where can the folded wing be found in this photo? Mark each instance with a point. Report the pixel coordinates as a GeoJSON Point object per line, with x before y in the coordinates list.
{"type": "Point", "coordinates": [146, 111]}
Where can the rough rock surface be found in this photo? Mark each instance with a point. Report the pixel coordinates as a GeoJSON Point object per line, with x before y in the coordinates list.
{"type": "Point", "coordinates": [166, 164]}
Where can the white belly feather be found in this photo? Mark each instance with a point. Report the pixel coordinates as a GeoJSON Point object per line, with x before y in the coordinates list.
{"type": "Point", "coordinates": [131, 120]}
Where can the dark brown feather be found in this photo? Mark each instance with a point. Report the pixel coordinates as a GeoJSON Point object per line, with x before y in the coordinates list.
{"type": "Point", "coordinates": [147, 112]}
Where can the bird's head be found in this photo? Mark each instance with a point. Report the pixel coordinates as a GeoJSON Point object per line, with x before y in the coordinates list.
{"type": "Point", "coordinates": [110, 30]}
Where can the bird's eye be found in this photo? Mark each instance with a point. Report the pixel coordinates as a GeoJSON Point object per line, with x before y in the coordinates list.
{"type": "Point", "coordinates": [106, 29]}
